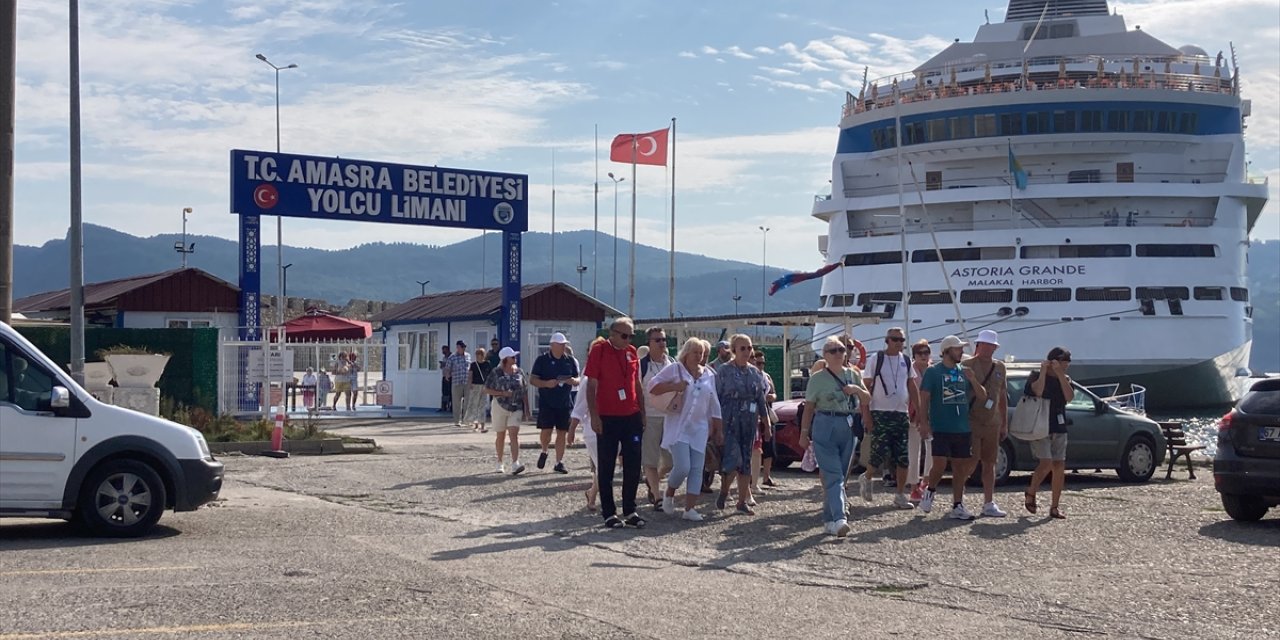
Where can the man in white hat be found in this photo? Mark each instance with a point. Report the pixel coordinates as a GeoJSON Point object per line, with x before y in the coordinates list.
{"type": "Point", "coordinates": [555, 375]}
{"type": "Point", "coordinates": [944, 416]}
{"type": "Point", "coordinates": [988, 420]}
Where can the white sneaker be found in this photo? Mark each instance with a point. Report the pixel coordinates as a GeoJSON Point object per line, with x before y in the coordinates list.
{"type": "Point", "coordinates": [502, 468]}
{"type": "Point", "coordinates": [959, 512]}
{"type": "Point", "coordinates": [900, 501]}
{"type": "Point", "coordinates": [692, 515]}
{"type": "Point", "coordinates": [842, 529]}
{"type": "Point", "coordinates": [668, 504]}
{"type": "Point", "coordinates": [517, 468]}
{"type": "Point", "coordinates": [864, 487]}
{"type": "Point", "coordinates": [992, 510]}
{"type": "Point", "coordinates": [926, 503]}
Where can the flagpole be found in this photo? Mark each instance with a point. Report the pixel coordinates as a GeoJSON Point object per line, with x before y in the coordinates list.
{"type": "Point", "coordinates": [553, 216]}
{"type": "Point", "coordinates": [595, 236]}
{"type": "Point", "coordinates": [1013, 212]}
{"type": "Point", "coordinates": [902, 217]}
{"type": "Point", "coordinates": [631, 296]}
{"type": "Point", "coordinates": [671, 269]}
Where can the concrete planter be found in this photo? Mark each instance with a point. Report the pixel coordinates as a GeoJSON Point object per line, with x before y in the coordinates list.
{"type": "Point", "coordinates": [97, 376]}
{"type": "Point", "coordinates": [137, 371]}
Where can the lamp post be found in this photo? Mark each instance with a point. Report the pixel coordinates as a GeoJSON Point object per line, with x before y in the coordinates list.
{"type": "Point", "coordinates": [182, 247]}
{"type": "Point", "coordinates": [284, 295]}
{"type": "Point", "coordinates": [582, 268]}
{"type": "Point", "coordinates": [736, 297]}
{"type": "Point", "coordinates": [616, 181]}
{"type": "Point", "coordinates": [423, 284]}
{"type": "Point", "coordinates": [764, 260]}
{"type": "Point", "coordinates": [279, 219]}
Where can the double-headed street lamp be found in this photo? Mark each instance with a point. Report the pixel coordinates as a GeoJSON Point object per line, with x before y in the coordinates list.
{"type": "Point", "coordinates": [279, 223]}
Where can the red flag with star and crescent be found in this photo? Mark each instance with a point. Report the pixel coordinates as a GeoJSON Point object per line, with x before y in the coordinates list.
{"type": "Point", "coordinates": [640, 148]}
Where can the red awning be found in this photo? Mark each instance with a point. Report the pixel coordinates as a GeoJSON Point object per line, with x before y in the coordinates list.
{"type": "Point", "coordinates": [320, 326]}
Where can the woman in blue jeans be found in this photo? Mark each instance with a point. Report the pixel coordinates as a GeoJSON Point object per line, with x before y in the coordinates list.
{"type": "Point", "coordinates": [686, 431]}
{"type": "Point", "coordinates": [828, 422]}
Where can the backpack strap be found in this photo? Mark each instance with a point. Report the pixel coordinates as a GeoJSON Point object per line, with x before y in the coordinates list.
{"type": "Point", "coordinates": [644, 367]}
{"type": "Point", "coordinates": [876, 375]}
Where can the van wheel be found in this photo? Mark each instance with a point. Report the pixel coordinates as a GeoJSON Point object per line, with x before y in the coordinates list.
{"type": "Point", "coordinates": [1138, 462]}
{"type": "Point", "coordinates": [121, 499]}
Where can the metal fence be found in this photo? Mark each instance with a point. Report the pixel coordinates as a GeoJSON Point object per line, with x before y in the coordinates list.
{"type": "Point", "coordinates": [263, 377]}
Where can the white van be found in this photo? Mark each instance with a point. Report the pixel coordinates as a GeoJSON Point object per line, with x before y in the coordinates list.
{"type": "Point", "coordinates": [65, 455]}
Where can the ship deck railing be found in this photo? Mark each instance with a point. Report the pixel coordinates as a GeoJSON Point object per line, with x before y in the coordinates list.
{"type": "Point", "coordinates": [1134, 402]}
{"type": "Point", "coordinates": [1038, 220]}
{"type": "Point", "coordinates": [1059, 176]}
{"type": "Point", "coordinates": [1041, 73]}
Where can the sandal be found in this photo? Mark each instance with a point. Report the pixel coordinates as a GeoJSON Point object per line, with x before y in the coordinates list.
{"type": "Point", "coordinates": [1056, 515]}
{"type": "Point", "coordinates": [1030, 502]}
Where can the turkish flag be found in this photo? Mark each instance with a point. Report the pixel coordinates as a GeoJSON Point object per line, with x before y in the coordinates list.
{"type": "Point", "coordinates": [640, 148]}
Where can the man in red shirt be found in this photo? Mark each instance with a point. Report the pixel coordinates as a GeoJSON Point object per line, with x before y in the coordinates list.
{"type": "Point", "coordinates": [615, 398]}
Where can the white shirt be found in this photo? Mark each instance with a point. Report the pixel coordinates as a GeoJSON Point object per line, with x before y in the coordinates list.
{"type": "Point", "coordinates": [655, 368]}
{"type": "Point", "coordinates": [583, 413]}
{"type": "Point", "coordinates": [692, 425]}
{"type": "Point", "coordinates": [895, 375]}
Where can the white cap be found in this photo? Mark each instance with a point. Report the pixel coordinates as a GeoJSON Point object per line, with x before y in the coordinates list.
{"type": "Point", "coordinates": [558, 338]}
{"type": "Point", "coordinates": [988, 336]}
{"type": "Point", "coordinates": [507, 352]}
{"type": "Point", "coordinates": [950, 342]}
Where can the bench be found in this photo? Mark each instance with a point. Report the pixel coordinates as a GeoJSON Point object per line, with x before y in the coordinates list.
{"type": "Point", "coordinates": [1176, 441]}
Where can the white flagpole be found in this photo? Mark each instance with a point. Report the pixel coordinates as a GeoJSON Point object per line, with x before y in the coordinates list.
{"type": "Point", "coordinates": [671, 268]}
{"type": "Point", "coordinates": [595, 236]}
{"type": "Point", "coordinates": [631, 296]}
{"type": "Point", "coordinates": [553, 216]}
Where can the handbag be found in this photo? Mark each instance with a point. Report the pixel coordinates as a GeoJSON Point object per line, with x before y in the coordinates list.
{"type": "Point", "coordinates": [671, 403]}
{"type": "Point", "coordinates": [1030, 419]}
{"type": "Point", "coordinates": [809, 463]}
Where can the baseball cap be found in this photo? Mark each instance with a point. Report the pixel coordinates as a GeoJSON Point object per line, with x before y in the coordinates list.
{"type": "Point", "coordinates": [558, 338]}
{"type": "Point", "coordinates": [723, 344]}
{"type": "Point", "coordinates": [951, 342]}
{"type": "Point", "coordinates": [988, 336]}
{"type": "Point", "coordinates": [508, 352]}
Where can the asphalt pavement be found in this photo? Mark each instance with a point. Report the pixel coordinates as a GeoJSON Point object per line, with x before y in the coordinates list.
{"type": "Point", "coordinates": [425, 540]}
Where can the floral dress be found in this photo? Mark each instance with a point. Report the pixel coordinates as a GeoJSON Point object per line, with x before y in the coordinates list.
{"type": "Point", "coordinates": [742, 403]}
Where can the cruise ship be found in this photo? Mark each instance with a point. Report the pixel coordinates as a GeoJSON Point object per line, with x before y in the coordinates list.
{"type": "Point", "coordinates": [1064, 179]}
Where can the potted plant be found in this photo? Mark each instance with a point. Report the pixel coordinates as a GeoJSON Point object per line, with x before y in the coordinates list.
{"type": "Point", "coordinates": [97, 376]}
{"type": "Point", "coordinates": [134, 368]}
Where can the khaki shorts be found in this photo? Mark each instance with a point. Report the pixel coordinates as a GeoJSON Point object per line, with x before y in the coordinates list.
{"type": "Point", "coordinates": [986, 442]}
{"type": "Point", "coordinates": [1053, 447]}
{"type": "Point", "coordinates": [342, 386]}
{"type": "Point", "coordinates": [503, 419]}
{"type": "Point", "coordinates": [651, 452]}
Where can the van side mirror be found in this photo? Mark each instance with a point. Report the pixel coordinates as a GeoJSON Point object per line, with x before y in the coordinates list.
{"type": "Point", "coordinates": [59, 398]}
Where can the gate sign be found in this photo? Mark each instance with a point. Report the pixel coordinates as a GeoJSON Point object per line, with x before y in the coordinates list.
{"type": "Point", "coordinates": [280, 184]}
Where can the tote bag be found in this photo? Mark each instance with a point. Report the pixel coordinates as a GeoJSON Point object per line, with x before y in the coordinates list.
{"type": "Point", "coordinates": [1030, 419]}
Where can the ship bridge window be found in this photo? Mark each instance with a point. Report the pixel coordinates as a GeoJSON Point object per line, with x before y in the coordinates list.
{"type": "Point", "coordinates": [1049, 30]}
{"type": "Point", "coordinates": [838, 301]}
{"type": "Point", "coordinates": [1044, 295]}
{"type": "Point", "coordinates": [930, 297]}
{"type": "Point", "coordinates": [963, 254]}
{"type": "Point", "coordinates": [1209, 293]}
{"type": "Point", "coordinates": [961, 127]}
{"type": "Point", "coordinates": [879, 297]}
{"type": "Point", "coordinates": [1164, 293]}
{"type": "Point", "coordinates": [986, 295]}
{"type": "Point", "coordinates": [937, 129]}
{"type": "Point", "coordinates": [875, 257]}
{"type": "Point", "coordinates": [1011, 124]}
{"type": "Point", "coordinates": [1081, 176]}
{"type": "Point", "coordinates": [1064, 121]}
{"type": "Point", "coordinates": [1177, 251]}
{"type": "Point", "coordinates": [1038, 122]}
{"type": "Point", "coordinates": [1104, 294]}
{"type": "Point", "coordinates": [1239, 294]}
{"type": "Point", "coordinates": [1117, 121]}
{"type": "Point", "coordinates": [822, 301]}
{"type": "Point", "coordinates": [984, 125]}
{"type": "Point", "coordinates": [1077, 251]}
{"type": "Point", "coordinates": [1190, 122]}
{"type": "Point", "coordinates": [1091, 121]}
{"type": "Point", "coordinates": [914, 133]}
{"type": "Point", "coordinates": [883, 138]}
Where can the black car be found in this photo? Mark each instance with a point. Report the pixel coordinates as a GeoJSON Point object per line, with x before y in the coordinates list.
{"type": "Point", "coordinates": [1246, 470]}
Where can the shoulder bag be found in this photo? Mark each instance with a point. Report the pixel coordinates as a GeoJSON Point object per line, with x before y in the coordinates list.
{"type": "Point", "coordinates": [1030, 419]}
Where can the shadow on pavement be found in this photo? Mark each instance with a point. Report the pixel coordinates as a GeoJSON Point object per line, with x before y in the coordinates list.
{"type": "Point", "coordinates": [56, 534]}
{"type": "Point", "coordinates": [550, 535]}
{"type": "Point", "coordinates": [1262, 534]}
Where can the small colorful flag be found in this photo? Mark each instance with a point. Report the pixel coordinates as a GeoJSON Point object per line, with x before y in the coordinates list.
{"type": "Point", "coordinates": [797, 278]}
{"type": "Point", "coordinates": [1015, 169]}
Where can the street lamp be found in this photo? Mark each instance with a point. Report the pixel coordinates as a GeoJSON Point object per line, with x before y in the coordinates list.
{"type": "Point", "coordinates": [182, 247]}
{"type": "Point", "coordinates": [423, 284]}
{"type": "Point", "coordinates": [616, 181]}
{"type": "Point", "coordinates": [764, 260]}
{"type": "Point", "coordinates": [582, 268]}
{"type": "Point", "coordinates": [279, 219]}
{"type": "Point", "coordinates": [284, 289]}
{"type": "Point", "coordinates": [736, 297]}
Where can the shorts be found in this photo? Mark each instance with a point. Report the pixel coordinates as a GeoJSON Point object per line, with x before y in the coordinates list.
{"type": "Point", "coordinates": [1053, 447]}
{"type": "Point", "coordinates": [889, 436]}
{"type": "Point", "coordinates": [503, 419]}
{"type": "Point", "coordinates": [342, 386]}
{"type": "Point", "coordinates": [986, 442]}
{"type": "Point", "coordinates": [651, 452]}
{"type": "Point", "coordinates": [953, 445]}
{"type": "Point", "coordinates": [557, 419]}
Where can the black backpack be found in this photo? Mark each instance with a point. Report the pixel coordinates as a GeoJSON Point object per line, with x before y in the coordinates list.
{"type": "Point", "coordinates": [880, 363]}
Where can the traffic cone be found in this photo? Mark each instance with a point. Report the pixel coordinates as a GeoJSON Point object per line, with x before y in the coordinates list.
{"type": "Point", "coordinates": [277, 439]}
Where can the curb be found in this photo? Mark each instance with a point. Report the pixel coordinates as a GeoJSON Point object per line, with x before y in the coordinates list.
{"type": "Point", "coordinates": [326, 447]}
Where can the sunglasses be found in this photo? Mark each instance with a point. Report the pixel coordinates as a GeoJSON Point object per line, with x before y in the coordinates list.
{"type": "Point", "coordinates": [895, 339]}
{"type": "Point", "coordinates": [624, 336]}
{"type": "Point", "coordinates": [1068, 360]}
{"type": "Point", "coordinates": [744, 348]}
{"type": "Point", "coordinates": [837, 350]}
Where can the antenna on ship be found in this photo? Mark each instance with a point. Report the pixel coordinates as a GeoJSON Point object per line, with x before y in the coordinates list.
{"type": "Point", "coordinates": [865, 70]}
{"type": "Point", "coordinates": [987, 14]}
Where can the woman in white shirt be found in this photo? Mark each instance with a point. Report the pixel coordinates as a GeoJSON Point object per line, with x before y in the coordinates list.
{"type": "Point", "coordinates": [686, 431]}
{"type": "Point", "coordinates": [581, 415]}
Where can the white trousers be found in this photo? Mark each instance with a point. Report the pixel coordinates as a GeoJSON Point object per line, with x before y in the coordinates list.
{"type": "Point", "coordinates": [913, 456]}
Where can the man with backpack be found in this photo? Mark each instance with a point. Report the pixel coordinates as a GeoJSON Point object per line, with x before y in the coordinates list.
{"type": "Point", "coordinates": [893, 385]}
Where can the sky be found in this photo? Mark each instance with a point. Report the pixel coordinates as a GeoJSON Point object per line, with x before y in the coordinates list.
{"type": "Point", "coordinates": [168, 87]}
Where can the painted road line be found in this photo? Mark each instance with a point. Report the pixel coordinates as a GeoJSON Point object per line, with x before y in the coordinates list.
{"type": "Point", "coordinates": [54, 572]}
{"type": "Point", "coordinates": [198, 628]}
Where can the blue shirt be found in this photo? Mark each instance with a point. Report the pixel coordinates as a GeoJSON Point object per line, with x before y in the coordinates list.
{"type": "Point", "coordinates": [459, 366]}
{"type": "Point", "coordinates": [948, 398]}
{"type": "Point", "coordinates": [548, 367]}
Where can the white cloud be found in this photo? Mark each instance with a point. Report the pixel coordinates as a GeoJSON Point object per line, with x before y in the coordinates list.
{"type": "Point", "coordinates": [709, 50]}
{"type": "Point", "coordinates": [764, 51]}
{"type": "Point", "coordinates": [737, 52]}
{"type": "Point", "coordinates": [687, 54]}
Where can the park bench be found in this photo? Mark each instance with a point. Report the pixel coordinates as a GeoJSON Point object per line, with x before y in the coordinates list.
{"type": "Point", "coordinates": [1176, 441]}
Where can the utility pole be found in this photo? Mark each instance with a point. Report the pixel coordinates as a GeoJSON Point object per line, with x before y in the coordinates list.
{"type": "Point", "coordinates": [75, 236]}
{"type": "Point", "coordinates": [736, 297]}
{"type": "Point", "coordinates": [582, 268]}
{"type": "Point", "coordinates": [181, 247]}
{"type": "Point", "coordinates": [8, 90]}
{"type": "Point", "coordinates": [764, 261]}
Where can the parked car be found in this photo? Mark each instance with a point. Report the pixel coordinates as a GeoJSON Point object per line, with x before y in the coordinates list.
{"type": "Point", "coordinates": [65, 455]}
{"type": "Point", "coordinates": [1246, 469]}
{"type": "Point", "coordinates": [1101, 436]}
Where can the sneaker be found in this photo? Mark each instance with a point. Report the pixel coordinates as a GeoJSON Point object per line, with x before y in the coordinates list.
{"type": "Point", "coordinates": [959, 512]}
{"type": "Point", "coordinates": [517, 468]}
{"type": "Point", "coordinates": [992, 510]}
{"type": "Point", "coordinates": [559, 468]}
{"type": "Point", "coordinates": [612, 522]}
{"type": "Point", "coordinates": [926, 501]}
{"type": "Point", "coordinates": [864, 487]}
{"type": "Point", "coordinates": [542, 460]}
{"type": "Point", "coordinates": [746, 509]}
{"type": "Point", "coordinates": [502, 468]}
{"type": "Point", "coordinates": [829, 527]}
{"type": "Point", "coordinates": [692, 515]}
{"type": "Point", "coordinates": [917, 492]}
{"type": "Point", "coordinates": [720, 500]}
{"type": "Point", "coordinates": [634, 520]}
{"type": "Point", "coordinates": [751, 502]}
{"type": "Point", "coordinates": [900, 501]}
{"type": "Point", "coordinates": [668, 504]}
{"type": "Point", "coordinates": [842, 529]}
